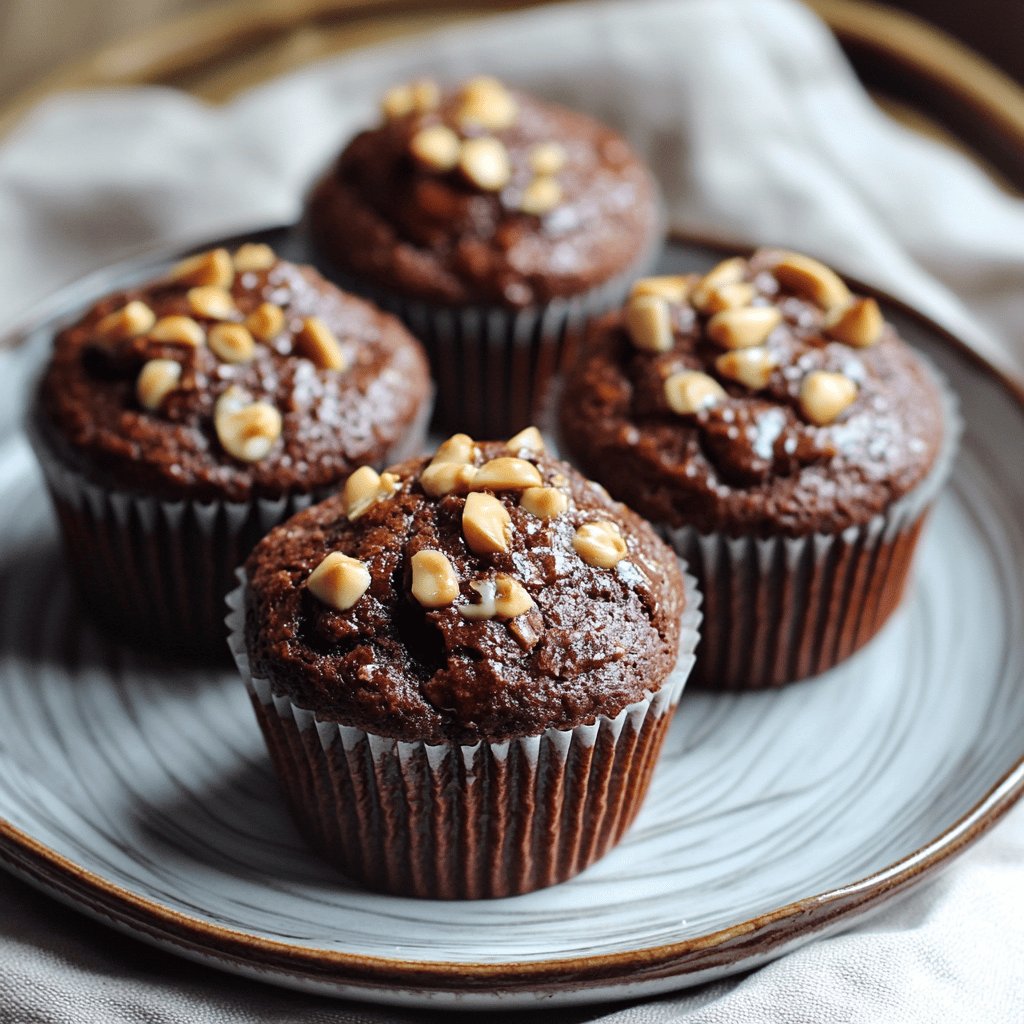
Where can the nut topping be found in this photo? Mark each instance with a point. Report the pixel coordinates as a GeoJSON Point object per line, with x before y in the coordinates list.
{"type": "Point", "coordinates": [206, 268]}
{"type": "Point", "coordinates": [246, 430]}
{"type": "Point", "coordinates": [547, 158]}
{"type": "Point", "coordinates": [689, 391]}
{"type": "Point", "coordinates": [544, 502]}
{"type": "Point", "coordinates": [812, 279]}
{"type": "Point", "coordinates": [743, 328]}
{"type": "Point", "coordinates": [316, 342]}
{"type": "Point", "coordinates": [541, 196]}
{"type": "Point", "coordinates": [157, 379]}
{"type": "Point", "coordinates": [265, 322]}
{"type": "Point", "coordinates": [730, 271]}
{"type": "Point", "coordinates": [500, 598]}
{"type": "Point", "coordinates": [212, 302]}
{"type": "Point", "coordinates": [441, 478]}
{"type": "Point", "coordinates": [649, 323]}
{"type": "Point", "coordinates": [253, 256]}
{"type": "Point", "coordinates": [339, 581]}
{"type": "Point", "coordinates": [460, 448]}
{"type": "Point", "coordinates": [751, 367]}
{"type": "Point", "coordinates": [486, 524]}
{"type": "Point", "coordinates": [506, 474]}
{"type": "Point", "coordinates": [179, 330]}
{"type": "Point", "coordinates": [670, 287]}
{"type": "Point", "coordinates": [860, 324]}
{"type": "Point", "coordinates": [127, 322]}
{"type": "Point", "coordinates": [434, 583]}
{"type": "Point", "coordinates": [485, 163]}
{"type": "Point", "coordinates": [599, 544]}
{"type": "Point", "coordinates": [436, 147]}
{"type": "Point", "coordinates": [728, 296]}
{"type": "Point", "coordinates": [231, 342]}
{"type": "Point", "coordinates": [414, 97]}
{"type": "Point", "coordinates": [484, 101]}
{"type": "Point", "coordinates": [364, 488]}
{"type": "Point", "coordinates": [824, 396]}
{"type": "Point", "coordinates": [529, 438]}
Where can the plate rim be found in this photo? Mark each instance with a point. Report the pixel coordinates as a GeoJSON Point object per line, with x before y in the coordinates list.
{"type": "Point", "coordinates": [756, 937]}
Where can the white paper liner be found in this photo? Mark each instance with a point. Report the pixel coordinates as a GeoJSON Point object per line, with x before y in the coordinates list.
{"type": "Point", "coordinates": [156, 571]}
{"type": "Point", "coordinates": [492, 365]}
{"type": "Point", "coordinates": [455, 821]}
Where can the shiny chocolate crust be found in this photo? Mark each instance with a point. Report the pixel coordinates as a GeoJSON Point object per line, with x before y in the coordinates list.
{"type": "Point", "coordinates": [332, 420]}
{"type": "Point", "coordinates": [595, 641]}
{"type": "Point", "coordinates": [380, 216]}
{"type": "Point", "coordinates": [754, 463]}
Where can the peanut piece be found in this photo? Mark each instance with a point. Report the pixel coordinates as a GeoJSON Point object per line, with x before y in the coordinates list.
{"type": "Point", "coordinates": [180, 330]}
{"type": "Point", "coordinates": [459, 448]}
{"type": "Point", "coordinates": [212, 302]}
{"type": "Point", "coordinates": [213, 268]}
{"type": "Point", "coordinates": [254, 256]}
{"type": "Point", "coordinates": [746, 327]}
{"type": "Point", "coordinates": [157, 379]}
{"type": "Point", "coordinates": [484, 101]}
{"type": "Point", "coordinates": [649, 323]}
{"type": "Point", "coordinates": [599, 544]}
{"type": "Point", "coordinates": [442, 478]}
{"type": "Point", "coordinates": [860, 324]}
{"type": "Point", "coordinates": [364, 488]}
{"type": "Point", "coordinates": [231, 342]}
{"type": "Point", "coordinates": [506, 474]}
{"type": "Point", "coordinates": [544, 502]}
{"type": "Point", "coordinates": [751, 367]}
{"type": "Point", "coordinates": [529, 438]}
{"type": "Point", "coordinates": [811, 279]}
{"type": "Point", "coordinates": [317, 342]}
{"type": "Point", "coordinates": [689, 391]}
{"type": "Point", "coordinates": [485, 163]}
{"type": "Point", "coordinates": [436, 147]}
{"type": "Point", "coordinates": [500, 598]}
{"type": "Point", "coordinates": [547, 158]}
{"type": "Point", "coordinates": [486, 524]}
{"type": "Point", "coordinates": [339, 581]}
{"type": "Point", "coordinates": [127, 322]}
{"type": "Point", "coordinates": [434, 583]}
{"type": "Point", "coordinates": [265, 322]}
{"type": "Point", "coordinates": [670, 287]}
{"type": "Point", "coordinates": [541, 196]}
{"type": "Point", "coordinates": [824, 396]}
{"type": "Point", "coordinates": [246, 430]}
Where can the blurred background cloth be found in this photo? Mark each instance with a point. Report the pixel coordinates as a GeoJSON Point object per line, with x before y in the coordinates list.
{"type": "Point", "coordinates": [759, 132]}
{"type": "Point", "coordinates": [39, 37]}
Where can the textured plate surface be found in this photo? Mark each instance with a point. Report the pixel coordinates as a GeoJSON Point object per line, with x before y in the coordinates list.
{"type": "Point", "coordinates": [141, 792]}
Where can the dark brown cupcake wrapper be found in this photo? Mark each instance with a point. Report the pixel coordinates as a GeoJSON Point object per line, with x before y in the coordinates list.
{"type": "Point", "coordinates": [155, 572]}
{"type": "Point", "coordinates": [451, 821]}
{"type": "Point", "coordinates": [780, 609]}
{"type": "Point", "coordinates": [493, 365]}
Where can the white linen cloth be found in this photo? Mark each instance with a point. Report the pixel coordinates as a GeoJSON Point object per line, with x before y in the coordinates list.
{"type": "Point", "coordinates": [759, 132]}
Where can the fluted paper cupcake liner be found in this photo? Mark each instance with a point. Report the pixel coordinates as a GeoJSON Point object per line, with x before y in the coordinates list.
{"type": "Point", "coordinates": [451, 821]}
{"type": "Point", "coordinates": [492, 365]}
{"type": "Point", "coordinates": [155, 572]}
{"type": "Point", "coordinates": [780, 609]}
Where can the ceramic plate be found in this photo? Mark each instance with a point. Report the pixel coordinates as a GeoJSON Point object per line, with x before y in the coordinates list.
{"type": "Point", "coordinates": [141, 793]}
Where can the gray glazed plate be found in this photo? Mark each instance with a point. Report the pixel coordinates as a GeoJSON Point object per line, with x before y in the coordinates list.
{"type": "Point", "coordinates": [140, 792]}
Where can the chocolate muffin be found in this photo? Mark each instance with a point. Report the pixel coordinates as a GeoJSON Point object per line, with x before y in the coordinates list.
{"type": "Point", "coordinates": [491, 650]}
{"type": "Point", "coordinates": [495, 224]}
{"type": "Point", "coordinates": [179, 420]}
{"type": "Point", "coordinates": [784, 438]}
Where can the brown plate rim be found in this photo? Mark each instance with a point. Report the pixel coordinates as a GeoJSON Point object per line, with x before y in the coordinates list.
{"type": "Point", "coordinates": [757, 937]}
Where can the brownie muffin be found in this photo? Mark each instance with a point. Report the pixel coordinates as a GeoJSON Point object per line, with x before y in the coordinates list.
{"type": "Point", "coordinates": [491, 649]}
{"type": "Point", "coordinates": [494, 224]}
{"type": "Point", "coordinates": [179, 420]}
{"type": "Point", "coordinates": [783, 437]}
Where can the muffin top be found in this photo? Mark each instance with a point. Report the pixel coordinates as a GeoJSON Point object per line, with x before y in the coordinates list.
{"type": "Point", "coordinates": [488, 593]}
{"type": "Point", "coordinates": [231, 377]}
{"type": "Point", "coordinates": [762, 398]}
{"type": "Point", "coordinates": [483, 195]}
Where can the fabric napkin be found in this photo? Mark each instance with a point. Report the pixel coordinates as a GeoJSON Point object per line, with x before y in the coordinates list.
{"type": "Point", "coordinates": [759, 132]}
